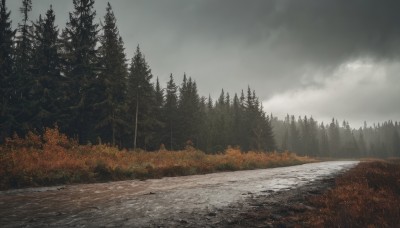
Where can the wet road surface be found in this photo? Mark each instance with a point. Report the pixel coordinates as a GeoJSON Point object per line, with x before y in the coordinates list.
{"type": "Point", "coordinates": [184, 201]}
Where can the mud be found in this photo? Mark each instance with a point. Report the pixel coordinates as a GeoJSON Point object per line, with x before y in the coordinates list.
{"type": "Point", "coordinates": [230, 199]}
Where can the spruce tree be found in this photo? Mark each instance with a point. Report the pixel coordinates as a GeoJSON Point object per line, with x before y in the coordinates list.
{"type": "Point", "coordinates": [83, 89]}
{"type": "Point", "coordinates": [202, 129]}
{"type": "Point", "coordinates": [7, 88]}
{"type": "Point", "coordinates": [23, 53]}
{"type": "Point", "coordinates": [141, 101]}
{"type": "Point", "coordinates": [209, 127]}
{"type": "Point", "coordinates": [23, 102]}
{"type": "Point", "coordinates": [257, 125]}
{"type": "Point", "coordinates": [220, 122]}
{"type": "Point", "coordinates": [236, 121]}
{"type": "Point", "coordinates": [188, 107]}
{"type": "Point", "coordinates": [324, 142]}
{"type": "Point", "coordinates": [221, 99]}
{"type": "Point", "coordinates": [47, 91]}
{"type": "Point", "coordinates": [334, 138]}
{"type": "Point", "coordinates": [113, 76]}
{"type": "Point", "coordinates": [349, 144]}
{"type": "Point", "coordinates": [159, 118]}
{"type": "Point", "coordinates": [294, 136]}
{"type": "Point", "coordinates": [285, 140]}
{"type": "Point", "coordinates": [396, 143]}
{"type": "Point", "coordinates": [170, 114]}
{"type": "Point", "coordinates": [313, 144]}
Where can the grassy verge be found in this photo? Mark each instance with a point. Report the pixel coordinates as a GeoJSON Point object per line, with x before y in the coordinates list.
{"type": "Point", "coordinates": [54, 159]}
{"type": "Point", "coordinates": [366, 196]}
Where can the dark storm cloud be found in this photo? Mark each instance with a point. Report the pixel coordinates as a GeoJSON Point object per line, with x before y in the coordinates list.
{"type": "Point", "coordinates": [317, 32]}
{"type": "Point", "coordinates": [275, 42]}
{"type": "Point", "coordinates": [321, 31]}
{"type": "Point", "coordinates": [278, 47]}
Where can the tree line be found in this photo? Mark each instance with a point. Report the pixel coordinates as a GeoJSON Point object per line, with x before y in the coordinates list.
{"type": "Point", "coordinates": [307, 137]}
{"type": "Point", "coordinates": [80, 79]}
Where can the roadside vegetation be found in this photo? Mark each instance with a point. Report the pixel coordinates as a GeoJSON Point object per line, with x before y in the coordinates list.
{"type": "Point", "coordinates": [53, 158]}
{"type": "Point", "coordinates": [366, 196]}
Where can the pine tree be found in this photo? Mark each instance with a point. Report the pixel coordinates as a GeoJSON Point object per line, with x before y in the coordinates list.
{"type": "Point", "coordinates": [396, 143]}
{"type": "Point", "coordinates": [237, 121]}
{"type": "Point", "coordinates": [220, 121]}
{"type": "Point", "coordinates": [188, 106]}
{"type": "Point", "coordinates": [141, 101]}
{"type": "Point", "coordinates": [112, 109]}
{"type": "Point", "coordinates": [23, 81]}
{"type": "Point", "coordinates": [294, 136]}
{"type": "Point", "coordinates": [334, 138]}
{"type": "Point", "coordinates": [221, 99]}
{"type": "Point", "coordinates": [349, 144]}
{"type": "Point", "coordinates": [285, 140]}
{"type": "Point", "coordinates": [313, 148]}
{"type": "Point", "coordinates": [23, 53]}
{"type": "Point", "coordinates": [6, 72]}
{"type": "Point", "coordinates": [159, 95]}
{"type": "Point", "coordinates": [83, 91]}
{"type": "Point", "coordinates": [268, 140]}
{"type": "Point", "coordinates": [257, 125]}
{"type": "Point", "coordinates": [324, 142]}
{"type": "Point", "coordinates": [47, 91]}
{"type": "Point", "coordinates": [202, 128]}
{"type": "Point", "coordinates": [158, 116]}
{"type": "Point", "coordinates": [208, 127]}
{"type": "Point", "coordinates": [361, 144]}
{"type": "Point", "coordinates": [170, 113]}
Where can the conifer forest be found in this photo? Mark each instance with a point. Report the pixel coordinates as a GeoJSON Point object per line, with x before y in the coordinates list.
{"type": "Point", "coordinates": [79, 79]}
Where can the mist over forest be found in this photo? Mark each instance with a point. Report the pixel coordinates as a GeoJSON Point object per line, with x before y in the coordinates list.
{"type": "Point", "coordinates": [79, 79]}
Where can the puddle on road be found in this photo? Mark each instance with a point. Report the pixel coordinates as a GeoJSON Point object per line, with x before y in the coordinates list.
{"type": "Point", "coordinates": [141, 203]}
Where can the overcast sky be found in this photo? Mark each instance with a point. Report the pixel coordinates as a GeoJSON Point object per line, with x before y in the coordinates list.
{"type": "Point", "coordinates": [304, 57]}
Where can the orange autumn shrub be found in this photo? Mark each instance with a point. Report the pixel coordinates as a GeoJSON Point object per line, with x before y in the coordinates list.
{"type": "Point", "coordinates": [366, 196]}
{"type": "Point", "coordinates": [53, 158]}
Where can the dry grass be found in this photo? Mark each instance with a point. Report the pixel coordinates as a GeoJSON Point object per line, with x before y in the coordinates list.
{"type": "Point", "coordinates": [54, 159]}
{"type": "Point", "coordinates": [366, 196]}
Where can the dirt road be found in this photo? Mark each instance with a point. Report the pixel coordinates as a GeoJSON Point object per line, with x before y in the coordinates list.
{"type": "Point", "coordinates": [201, 200]}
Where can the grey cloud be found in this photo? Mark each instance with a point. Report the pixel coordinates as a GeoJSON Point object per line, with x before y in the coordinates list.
{"type": "Point", "coordinates": [272, 45]}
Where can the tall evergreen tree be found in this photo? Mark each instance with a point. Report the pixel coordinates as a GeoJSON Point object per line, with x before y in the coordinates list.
{"type": "Point", "coordinates": [237, 121]}
{"type": "Point", "coordinates": [208, 128]}
{"type": "Point", "coordinates": [221, 124]}
{"type": "Point", "coordinates": [285, 140]}
{"type": "Point", "coordinates": [188, 106]}
{"type": "Point", "coordinates": [23, 53]}
{"type": "Point", "coordinates": [361, 144]}
{"type": "Point", "coordinates": [47, 90]}
{"type": "Point", "coordinates": [349, 144]}
{"type": "Point", "coordinates": [294, 136]}
{"type": "Point", "coordinates": [257, 125]}
{"type": "Point", "coordinates": [170, 114]}
{"type": "Point", "coordinates": [221, 99]}
{"type": "Point", "coordinates": [23, 81]}
{"type": "Point", "coordinates": [141, 101]}
{"type": "Point", "coordinates": [80, 38]}
{"type": "Point", "coordinates": [158, 116]}
{"type": "Point", "coordinates": [334, 137]}
{"type": "Point", "coordinates": [313, 148]}
{"type": "Point", "coordinates": [7, 88]}
{"type": "Point", "coordinates": [324, 142]}
{"type": "Point", "coordinates": [396, 143]}
{"type": "Point", "coordinates": [113, 76]}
